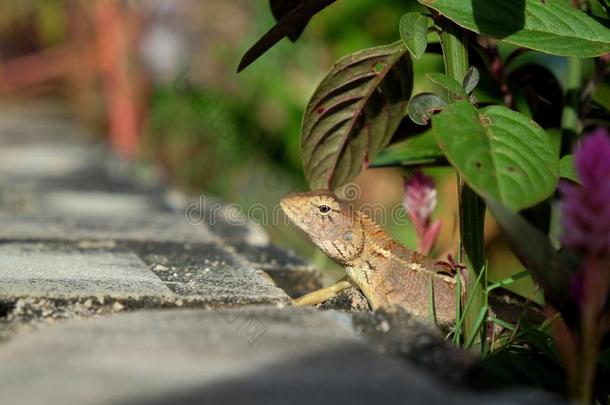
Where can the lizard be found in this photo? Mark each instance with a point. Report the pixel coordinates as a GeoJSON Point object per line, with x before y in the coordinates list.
{"type": "Point", "coordinates": [388, 274]}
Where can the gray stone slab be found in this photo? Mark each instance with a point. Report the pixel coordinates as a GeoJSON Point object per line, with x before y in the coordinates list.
{"type": "Point", "coordinates": [248, 356]}
{"type": "Point", "coordinates": [46, 160]}
{"type": "Point", "coordinates": [156, 226]}
{"type": "Point", "coordinates": [290, 272]}
{"type": "Point", "coordinates": [227, 221]}
{"type": "Point", "coordinates": [419, 342]}
{"type": "Point", "coordinates": [98, 204]}
{"type": "Point", "coordinates": [34, 123]}
{"type": "Point", "coordinates": [43, 282]}
{"type": "Point", "coordinates": [210, 272]}
{"type": "Point", "coordinates": [42, 270]}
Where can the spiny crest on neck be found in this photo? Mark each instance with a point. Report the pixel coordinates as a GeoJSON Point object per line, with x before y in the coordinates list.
{"type": "Point", "coordinates": [374, 232]}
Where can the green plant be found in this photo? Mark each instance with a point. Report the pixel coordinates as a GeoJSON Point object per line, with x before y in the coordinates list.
{"type": "Point", "coordinates": [509, 151]}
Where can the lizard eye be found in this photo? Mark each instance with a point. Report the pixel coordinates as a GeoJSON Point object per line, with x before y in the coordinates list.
{"type": "Point", "coordinates": [324, 209]}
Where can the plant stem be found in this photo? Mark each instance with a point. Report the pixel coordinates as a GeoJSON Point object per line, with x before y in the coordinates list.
{"type": "Point", "coordinates": [569, 117]}
{"type": "Point", "coordinates": [471, 206]}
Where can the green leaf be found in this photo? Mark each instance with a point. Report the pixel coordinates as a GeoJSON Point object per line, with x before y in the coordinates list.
{"type": "Point", "coordinates": [471, 79]}
{"type": "Point", "coordinates": [448, 84]}
{"type": "Point", "coordinates": [288, 25]}
{"type": "Point", "coordinates": [500, 152]}
{"type": "Point", "coordinates": [413, 29]}
{"type": "Point", "coordinates": [422, 106]}
{"type": "Point", "coordinates": [417, 150]}
{"type": "Point", "coordinates": [567, 170]}
{"type": "Point", "coordinates": [552, 270]}
{"type": "Point", "coordinates": [550, 26]}
{"type": "Point", "coordinates": [507, 281]}
{"type": "Point", "coordinates": [353, 114]}
{"type": "Point", "coordinates": [279, 8]}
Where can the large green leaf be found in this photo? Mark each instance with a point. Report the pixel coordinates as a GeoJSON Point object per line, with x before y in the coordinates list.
{"type": "Point", "coordinates": [550, 26]}
{"type": "Point", "coordinates": [500, 152]}
{"type": "Point", "coordinates": [417, 150]}
{"type": "Point", "coordinates": [353, 114]}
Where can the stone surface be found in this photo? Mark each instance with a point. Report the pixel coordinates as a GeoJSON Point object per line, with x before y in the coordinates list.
{"type": "Point", "coordinates": [349, 299]}
{"type": "Point", "coordinates": [290, 273]}
{"type": "Point", "coordinates": [160, 227]}
{"type": "Point", "coordinates": [209, 272]}
{"type": "Point", "coordinates": [227, 221]}
{"type": "Point", "coordinates": [98, 204]}
{"type": "Point", "coordinates": [43, 270]}
{"type": "Point", "coordinates": [44, 282]}
{"type": "Point", "coordinates": [247, 356]}
{"type": "Point", "coordinates": [420, 343]}
{"type": "Point", "coordinates": [44, 160]}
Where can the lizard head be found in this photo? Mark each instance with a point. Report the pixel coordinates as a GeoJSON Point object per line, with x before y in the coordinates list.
{"type": "Point", "coordinates": [330, 223]}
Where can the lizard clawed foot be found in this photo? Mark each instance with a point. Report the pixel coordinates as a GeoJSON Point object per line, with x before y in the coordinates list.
{"type": "Point", "coordinates": [323, 294]}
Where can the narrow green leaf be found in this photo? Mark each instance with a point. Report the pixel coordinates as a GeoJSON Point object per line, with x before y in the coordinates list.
{"type": "Point", "coordinates": [417, 150]}
{"type": "Point", "coordinates": [567, 170]}
{"type": "Point", "coordinates": [507, 281]}
{"type": "Point", "coordinates": [499, 152]}
{"type": "Point", "coordinates": [448, 84]}
{"type": "Point", "coordinates": [287, 25]}
{"type": "Point", "coordinates": [550, 269]}
{"type": "Point", "coordinates": [459, 322]}
{"type": "Point", "coordinates": [476, 327]}
{"type": "Point", "coordinates": [431, 304]}
{"type": "Point", "coordinates": [353, 114]}
{"type": "Point", "coordinates": [422, 106]}
{"type": "Point", "coordinates": [413, 29]}
{"type": "Point", "coordinates": [504, 324]}
{"type": "Point", "coordinates": [550, 26]}
{"type": "Point", "coordinates": [279, 8]}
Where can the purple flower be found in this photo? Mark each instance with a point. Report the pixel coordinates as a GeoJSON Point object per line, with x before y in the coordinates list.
{"type": "Point", "coordinates": [420, 201]}
{"type": "Point", "coordinates": [586, 208]}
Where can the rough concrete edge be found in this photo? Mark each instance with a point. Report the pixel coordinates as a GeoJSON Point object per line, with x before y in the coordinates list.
{"type": "Point", "coordinates": [18, 312]}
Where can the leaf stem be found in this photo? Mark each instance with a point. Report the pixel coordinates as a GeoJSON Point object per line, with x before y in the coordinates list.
{"type": "Point", "coordinates": [569, 116]}
{"type": "Point", "coordinates": [471, 206]}
{"type": "Point", "coordinates": [455, 54]}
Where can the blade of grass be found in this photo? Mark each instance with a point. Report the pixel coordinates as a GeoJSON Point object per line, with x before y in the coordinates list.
{"type": "Point", "coordinates": [432, 307]}
{"type": "Point", "coordinates": [460, 322]}
{"type": "Point", "coordinates": [458, 304]}
{"type": "Point", "coordinates": [502, 323]}
{"type": "Point", "coordinates": [476, 327]}
{"type": "Point", "coordinates": [507, 281]}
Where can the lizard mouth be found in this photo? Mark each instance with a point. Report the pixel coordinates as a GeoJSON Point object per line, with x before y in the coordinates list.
{"type": "Point", "coordinates": [295, 216]}
{"type": "Point", "coordinates": [290, 212]}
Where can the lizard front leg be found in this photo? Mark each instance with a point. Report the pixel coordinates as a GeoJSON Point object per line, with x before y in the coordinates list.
{"type": "Point", "coordinates": [323, 294]}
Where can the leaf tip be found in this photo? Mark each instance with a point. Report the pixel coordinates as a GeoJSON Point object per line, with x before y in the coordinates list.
{"type": "Point", "coordinates": [243, 63]}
